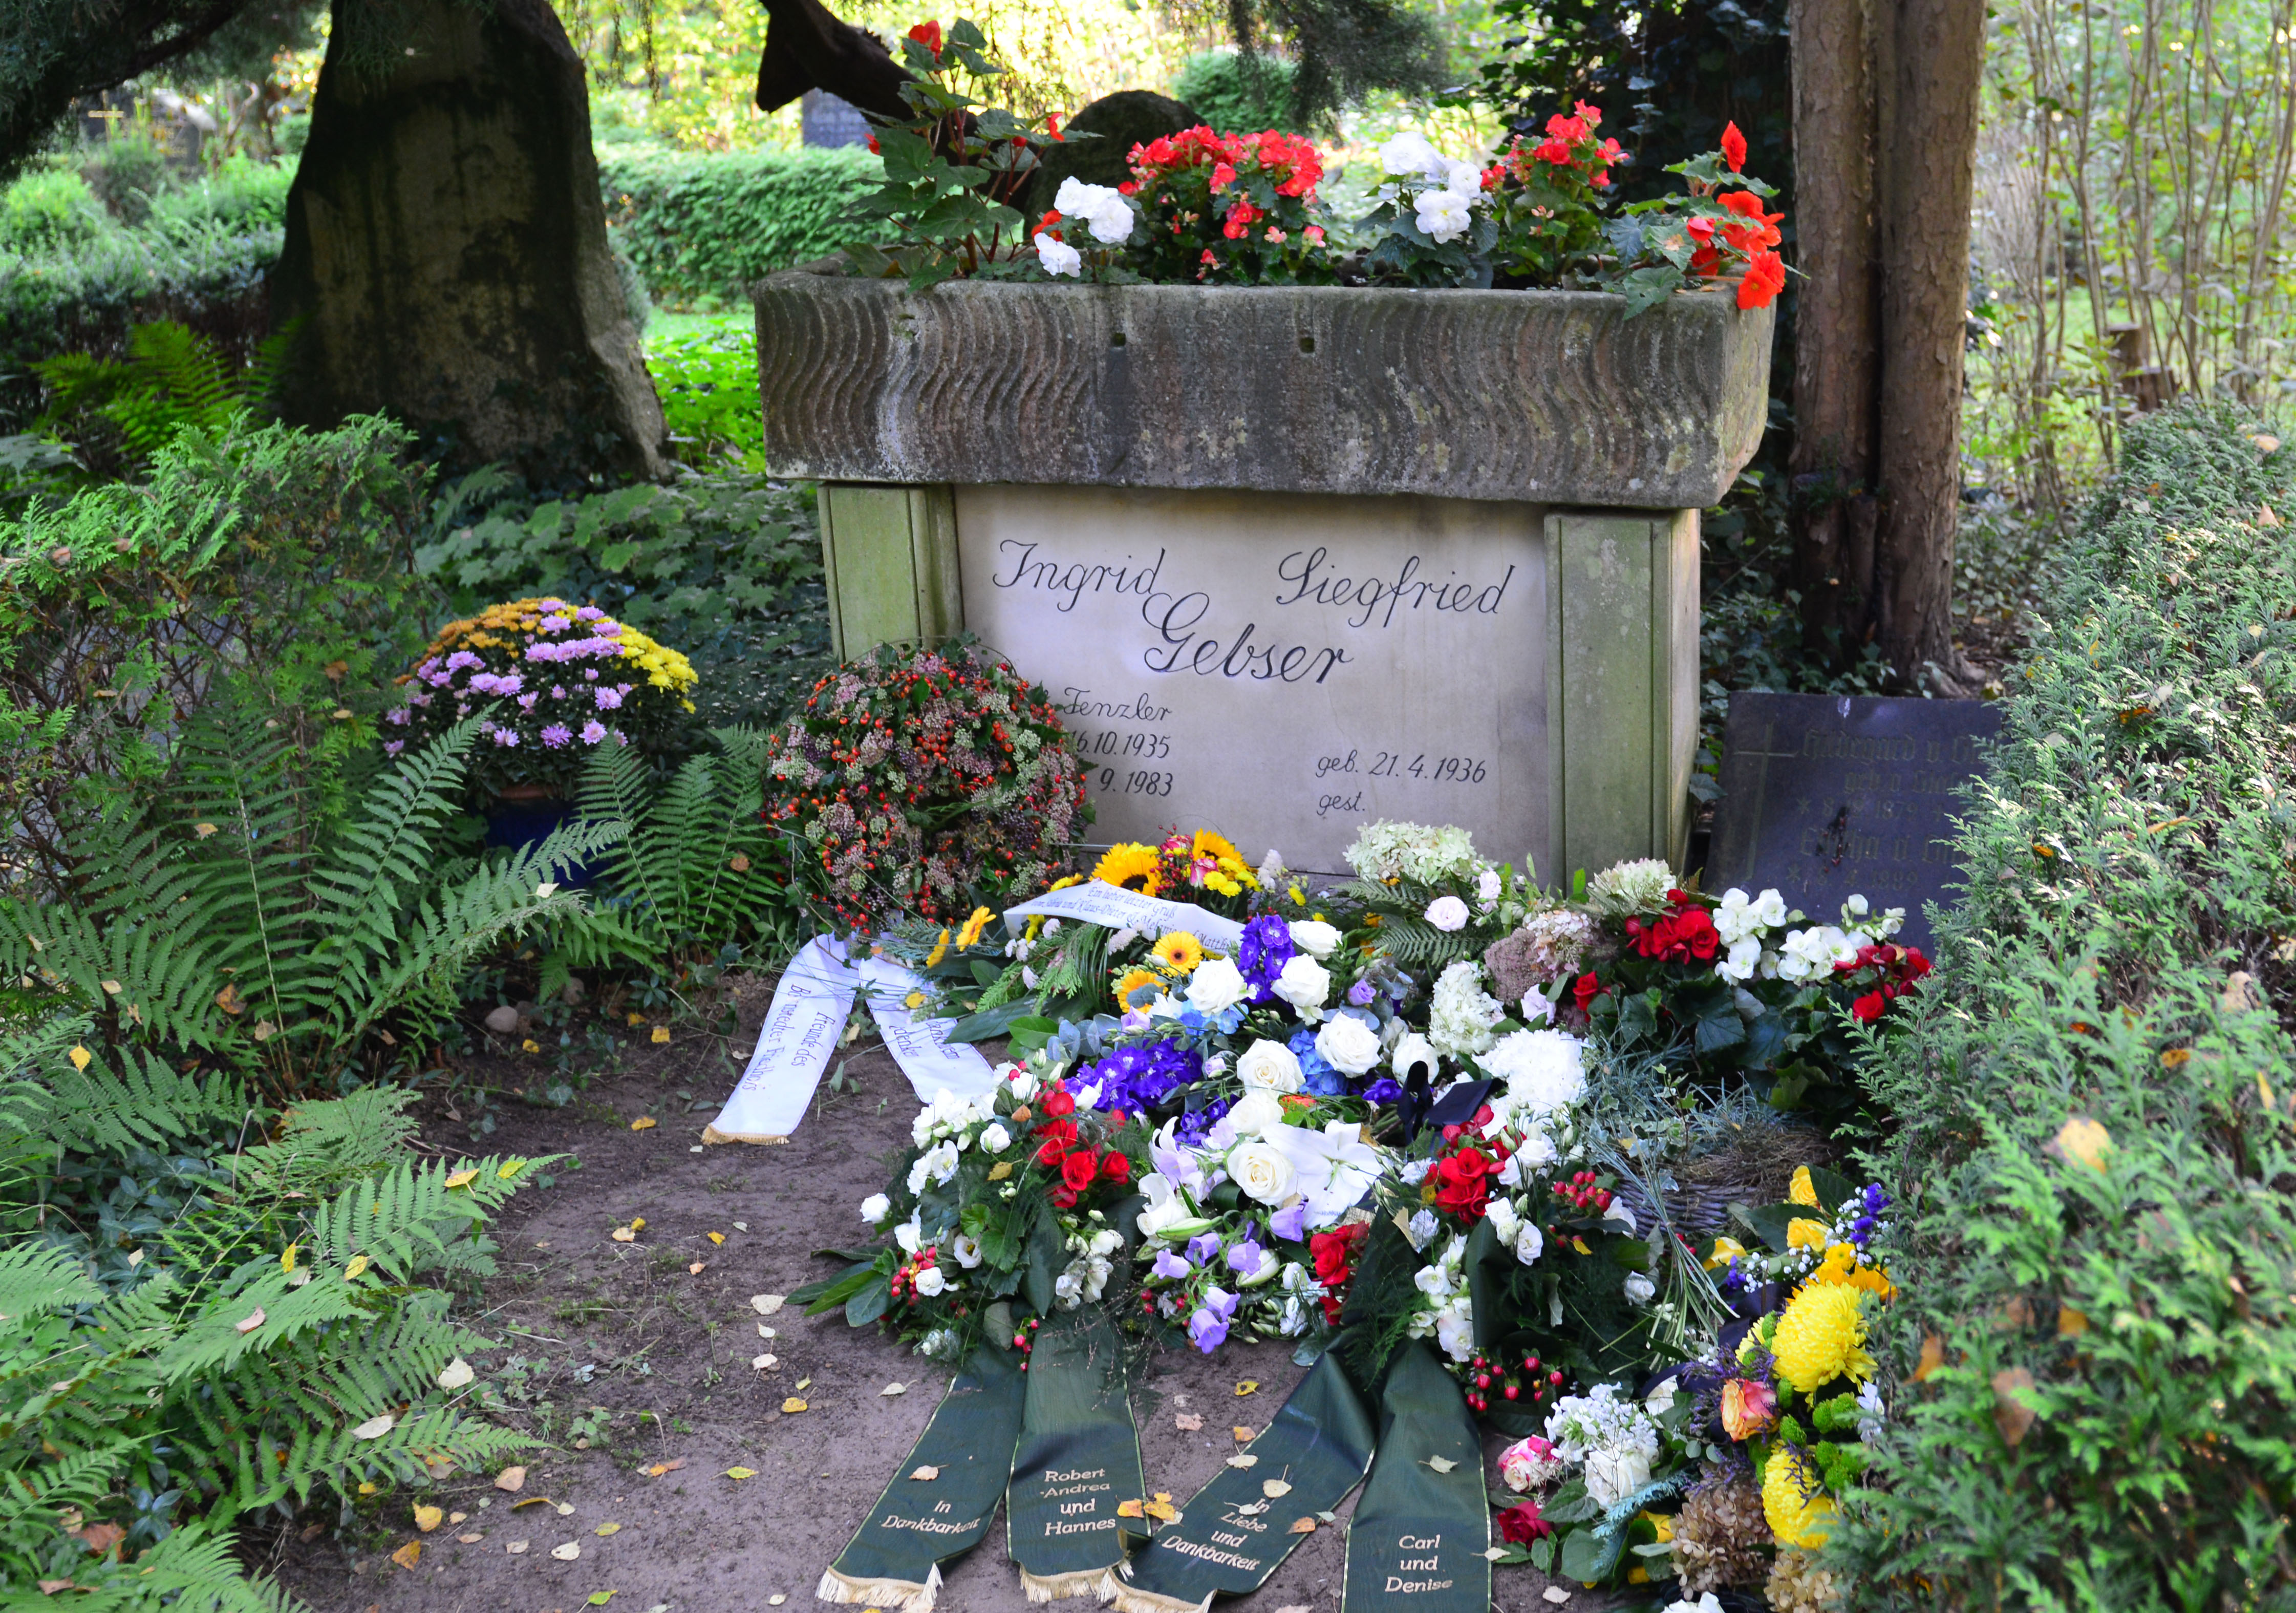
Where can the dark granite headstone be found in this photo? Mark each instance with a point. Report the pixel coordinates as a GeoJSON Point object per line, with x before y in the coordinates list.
{"type": "Point", "coordinates": [1826, 796]}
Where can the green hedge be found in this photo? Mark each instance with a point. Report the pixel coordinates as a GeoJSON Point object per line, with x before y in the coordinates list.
{"type": "Point", "coordinates": [2094, 1132]}
{"type": "Point", "coordinates": [698, 224]}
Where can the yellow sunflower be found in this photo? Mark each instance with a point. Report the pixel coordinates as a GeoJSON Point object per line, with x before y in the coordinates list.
{"type": "Point", "coordinates": [1131, 981]}
{"type": "Point", "coordinates": [1131, 865]}
{"type": "Point", "coordinates": [1179, 952]}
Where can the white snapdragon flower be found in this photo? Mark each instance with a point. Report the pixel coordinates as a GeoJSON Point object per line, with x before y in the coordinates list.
{"type": "Point", "coordinates": [1314, 937]}
{"type": "Point", "coordinates": [1216, 986]}
{"type": "Point", "coordinates": [1104, 209]}
{"type": "Point", "coordinates": [1304, 983]}
{"type": "Point", "coordinates": [1057, 256]}
{"type": "Point", "coordinates": [1270, 1067]}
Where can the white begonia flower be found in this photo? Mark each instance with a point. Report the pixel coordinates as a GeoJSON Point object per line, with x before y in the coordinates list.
{"type": "Point", "coordinates": [1640, 1290]}
{"type": "Point", "coordinates": [1444, 216]}
{"type": "Point", "coordinates": [1811, 954]}
{"type": "Point", "coordinates": [1893, 919]}
{"type": "Point", "coordinates": [1348, 1045]}
{"type": "Point", "coordinates": [1503, 1220]}
{"type": "Point", "coordinates": [1411, 1049]}
{"type": "Point", "coordinates": [1103, 208]}
{"type": "Point", "coordinates": [875, 1208]}
{"type": "Point", "coordinates": [1772, 908]}
{"type": "Point", "coordinates": [1411, 152]}
{"type": "Point", "coordinates": [995, 1138]}
{"type": "Point", "coordinates": [1464, 179]}
{"type": "Point", "coordinates": [1856, 906]}
{"type": "Point", "coordinates": [1216, 986]}
{"type": "Point", "coordinates": [1529, 1243]}
{"type": "Point", "coordinates": [1304, 983]}
{"type": "Point", "coordinates": [967, 1251]}
{"type": "Point", "coordinates": [1743, 957]}
{"type": "Point", "coordinates": [1447, 914]}
{"type": "Point", "coordinates": [1706, 1603]}
{"type": "Point", "coordinates": [1261, 1172]}
{"type": "Point", "coordinates": [930, 1282]}
{"type": "Point", "coordinates": [1058, 257]}
{"type": "Point", "coordinates": [1270, 1067]}
{"type": "Point", "coordinates": [1314, 937]}
{"type": "Point", "coordinates": [1257, 1113]}
{"type": "Point", "coordinates": [1412, 1173]}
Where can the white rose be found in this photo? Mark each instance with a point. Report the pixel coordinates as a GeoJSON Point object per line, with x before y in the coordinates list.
{"type": "Point", "coordinates": [930, 1281]}
{"type": "Point", "coordinates": [1640, 1290]}
{"type": "Point", "coordinates": [1529, 1245]}
{"type": "Point", "coordinates": [1260, 1173]}
{"type": "Point", "coordinates": [1058, 257]}
{"type": "Point", "coordinates": [1216, 986]}
{"type": "Point", "coordinates": [1348, 1045]}
{"type": "Point", "coordinates": [1445, 913]}
{"type": "Point", "coordinates": [995, 1138]}
{"type": "Point", "coordinates": [1503, 1220]}
{"type": "Point", "coordinates": [1412, 1049]}
{"type": "Point", "coordinates": [1270, 1067]}
{"type": "Point", "coordinates": [1304, 983]}
{"type": "Point", "coordinates": [875, 1208]}
{"type": "Point", "coordinates": [1257, 1113]}
{"type": "Point", "coordinates": [1613, 1473]}
{"type": "Point", "coordinates": [1314, 937]}
{"type": "Point", "coordinates": [967, 1252]}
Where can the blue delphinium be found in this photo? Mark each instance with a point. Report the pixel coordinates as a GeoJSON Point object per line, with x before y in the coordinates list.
{"type": "Point", "coordinates": [1267, 947]}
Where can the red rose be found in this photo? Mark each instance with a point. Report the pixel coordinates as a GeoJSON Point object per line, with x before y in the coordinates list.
{"type": "Point", "coordinates": [1522, 1524]}
{"type": "Point", "coordinates": [1587, 989]}
{"type": "Point", "coordinates": [1115, 1166]}
{"type": "Point", "coordinates": [1870, 1008]}
{"type": "Point", "coordinates": [1734, 148]}
{"type": "Point", "coordinates": [1079, 1170]}
{"type": "Point", "coordinates": [928, 34]}
{"type": "Point", "coordinates": [1058, 1102]}
{"type": "Point", "coordinates": [1064, 1197]}
{"type": "Point", "coordinates": [1765, 277]}
{"type": "Point", "coordinates": [1695, 927]}
{"type": "Point", "coordinates": [1462, 1183]}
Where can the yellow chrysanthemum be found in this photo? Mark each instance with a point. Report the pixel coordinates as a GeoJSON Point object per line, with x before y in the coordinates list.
{"type": "Point", "coordinates": [1822, 1336]}
{"type": "Point", "coordinates": [1802, 1191]}
{"type": "Point", "coordinates": [968, 936]}
{"type": "Point", "coordinates": [1178, 952]}
{"type": "Point", "coordinates": [940, 951]}
{"type": "Point", "coordinates": [1796, 1506]}
{"type": "Point", "coordinates": [1223, 885]}
{"type": "Point", "coordinates": [1132, 981]}
{"type": "Point", "coordinates": [1726, 1249]}
{"type": "Point", "coordinates": [1131, 865]}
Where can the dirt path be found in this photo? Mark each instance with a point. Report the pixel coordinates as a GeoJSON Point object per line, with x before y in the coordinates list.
{"type": "Point", "coordinates": [623, 1346]}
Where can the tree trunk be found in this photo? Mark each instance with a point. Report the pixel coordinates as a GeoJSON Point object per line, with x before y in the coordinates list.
{"type": "Point", "coordinates": [1836, 322]}
{"type": "Point", "coordinates": [446, 258]}
{"type": "Point", "coordinates": [1927, 71]}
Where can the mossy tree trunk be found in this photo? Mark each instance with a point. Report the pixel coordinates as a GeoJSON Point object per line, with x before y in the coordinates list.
{"type": "Point", "coordinates": [446, 258]}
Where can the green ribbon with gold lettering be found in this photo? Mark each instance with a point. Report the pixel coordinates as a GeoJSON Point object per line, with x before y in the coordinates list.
{"type": "Point", "coordinates": [1419, 1535]}
{"type": "Point", "coordinates": [1239, 1528]}
{"type": "Point", "coordinates": [1077, 1461]}
{"type": "Point", "coordinates": [894, 1558]}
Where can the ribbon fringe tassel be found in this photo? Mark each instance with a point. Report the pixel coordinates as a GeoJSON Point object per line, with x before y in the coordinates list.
{"type": "Point", "coordinates": [880, 1593]}
{"type": "Point", "coordinates": [1131, 1599]}
{"type": "Point", "coordinates": [1058, 1587]}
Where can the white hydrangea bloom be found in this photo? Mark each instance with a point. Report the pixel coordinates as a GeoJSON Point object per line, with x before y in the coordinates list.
{"type": "Point", "coordinates": [1545, 1072]}
{"type": "Point", "coordinates": [1419, 852]}
{"type": "Point", "coordinates": [1625, 889]}
{"type": "Point", "coordinates": [1461, 1015]}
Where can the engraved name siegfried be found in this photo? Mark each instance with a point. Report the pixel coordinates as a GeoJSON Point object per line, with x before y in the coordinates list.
{"type": "Point", "coordinates": [1301, 566]}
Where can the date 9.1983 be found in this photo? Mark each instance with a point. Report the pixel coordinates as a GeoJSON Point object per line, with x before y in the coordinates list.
{"type": "Point", "coordinates": [1404, 764]}
{"type": "Point", "coordinates": [1109, 781]}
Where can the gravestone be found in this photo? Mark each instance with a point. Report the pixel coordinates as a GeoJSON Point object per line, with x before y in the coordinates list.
{"type": "Point", "coordinates": [1291, 560]}
{"type": "Point", "coordinates": [1826, 796]}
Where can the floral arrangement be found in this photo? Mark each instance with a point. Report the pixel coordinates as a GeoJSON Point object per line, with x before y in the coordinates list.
{"type": "Point", "coordinates": [549, 682]}
{"type": "Point", "coordinates": [1230, 210]}
{"type": "Point", "coordinates": [915, 775]}
{"type": "Point", "coordinates": [1393, 1109]}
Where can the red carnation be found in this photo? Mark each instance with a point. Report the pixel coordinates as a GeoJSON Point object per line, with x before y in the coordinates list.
{"type": "Point", "coordinates": [1115, 1166]}
{"type": "Point", "coordinates": [1522, 1524]}
{"type": "Point", "coordinates": [1080, 1170]}
{"type": "Point", "coordinates": [1058, 1102]}
{"type": "Point", "coordinates": [1734, 148]}
{"type": "Point", "coordinates": [1462, 1186]}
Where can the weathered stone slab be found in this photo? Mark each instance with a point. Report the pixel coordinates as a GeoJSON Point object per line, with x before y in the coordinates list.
{"type": "Point", "coordinates": [1825, 797]}
{"type": "Point", "coordinates": [1540, 397]}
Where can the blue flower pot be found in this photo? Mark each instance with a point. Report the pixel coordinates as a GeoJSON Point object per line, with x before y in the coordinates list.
{"type": "Point", "coordinates": [521, 823]}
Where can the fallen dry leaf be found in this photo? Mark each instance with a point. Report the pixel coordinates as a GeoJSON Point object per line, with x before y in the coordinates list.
{"type": "Point", "coordinates": [740, 1473]}
{"type": "Point", "coordinates": [1187, 1422]}
{"type": "Point", "coordinates": [2071, 1323]}
{"type": "Point", "coordinates": [661, 1035]}
{"type": "Point", "coordinates": [455, 1517]}
{"type": "Point", "coordinates": [1129, 1508]}
{"type": "Point", "coordinates": [1242, 1435]}
{"type": "Point", "coordinates": [80, 1058]}
{"type": "Point", "coordinates": [766, 1332]}
{"type": "Point", "coordinates": [565, 1507]}
{"type": "Point", "coordinates": [427, 1519]}
{"type": "Point", "coordinates": [532, 1501]}
{"type": "Point", "coordinates": [643, 1123]}
{"type": "Point", "coordinates": [803, 1383]}
{"type": "Point", "coordinates": [1441, 1464]}
{"type": "Point", "coordinates": [766, 1362]}
{"type": "Point", "coordinates": [604, 1529]}
{"type": "Point", "coordinates": [1249, 1385]}
{"type": "Point", "coordinates": [1496, 1554]}
{"type": "Point", "coordinates": [1000, 1169]}
{"type": "Point", "coordinates": [623, 1235]}
{"type": "Point", "coordinates": [1297, 1607]}
{"type": "Point", "coordinates": [776, 1599]}
{"type": "Point", "coordinates": [375, 1428]}
{"type": "Point", "coordinates": [1161, 1507]}
{"type": "Point", "coordinates": [516, 1547]}
{"type": "Point", "coordinates": [792, 1405]}
{"type": "Point", "coordinates": [766, 1304]}
{"type": "Point", "coordinates": [1932, 1357]}
{"type": "Point", "coordinates": [1303, 1526]}
{"type": "Point", "coordinates": [1556, 1594]}
{"type": "Point", "coordinates": [894, 1388]}
{"type": "Point", "coordinates": [358, 1264]}
{"type": "Point", "coordinates": [695, 1269]}
{"type": "Point", "coordinates": [567, 1552]}
{"type": "Point", "coordinates": [512, 1480]}
{"type": "Point", "coordinates": [1243, 1460]}
{"type": "Point", "coordinates": [468, 1540]}
{"type": "Point", "coordinates": [1275, 1489]}
{"type": "Point", "coordinates": [926, 1473]}
{"type": "Point", "coordinates": [253, 1321]}
{"type": "Point", "coordinates": [2011, 1415]}
{"type": "Point", "coordinates": [2081, 1141]}
{"type": "Point", "coordinates": [463, 1178]}
{"type": "Point", "coordinates": [718, 1238]}
{"type": "Point", "coordinates": [456, 1374]}
{"type": "Point", "coordinates": [101, 1537]}
{"type": "Point", "coordinates": [660, 1467]}
{"type": "Point", "coordinates": [408, 1555]}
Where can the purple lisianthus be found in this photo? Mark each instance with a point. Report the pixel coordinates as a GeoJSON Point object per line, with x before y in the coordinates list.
{"type": "Point", "coordinates": [1291, 1221]}
{"type": "Point", "coordinates": [1361, 993]}
{"type": "Point", "coordinates": [1170, 1266]}
{"type": "Point", "coordinates": [1203, 1247]}
{"type": "Point", "coordinates": [1266, 948]}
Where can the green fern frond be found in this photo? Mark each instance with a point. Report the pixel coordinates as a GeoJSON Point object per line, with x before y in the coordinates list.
{"type": "Point", "coordinates": [195, 1569]}
{"type": "Point", "coordinates": [36, 1279]}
